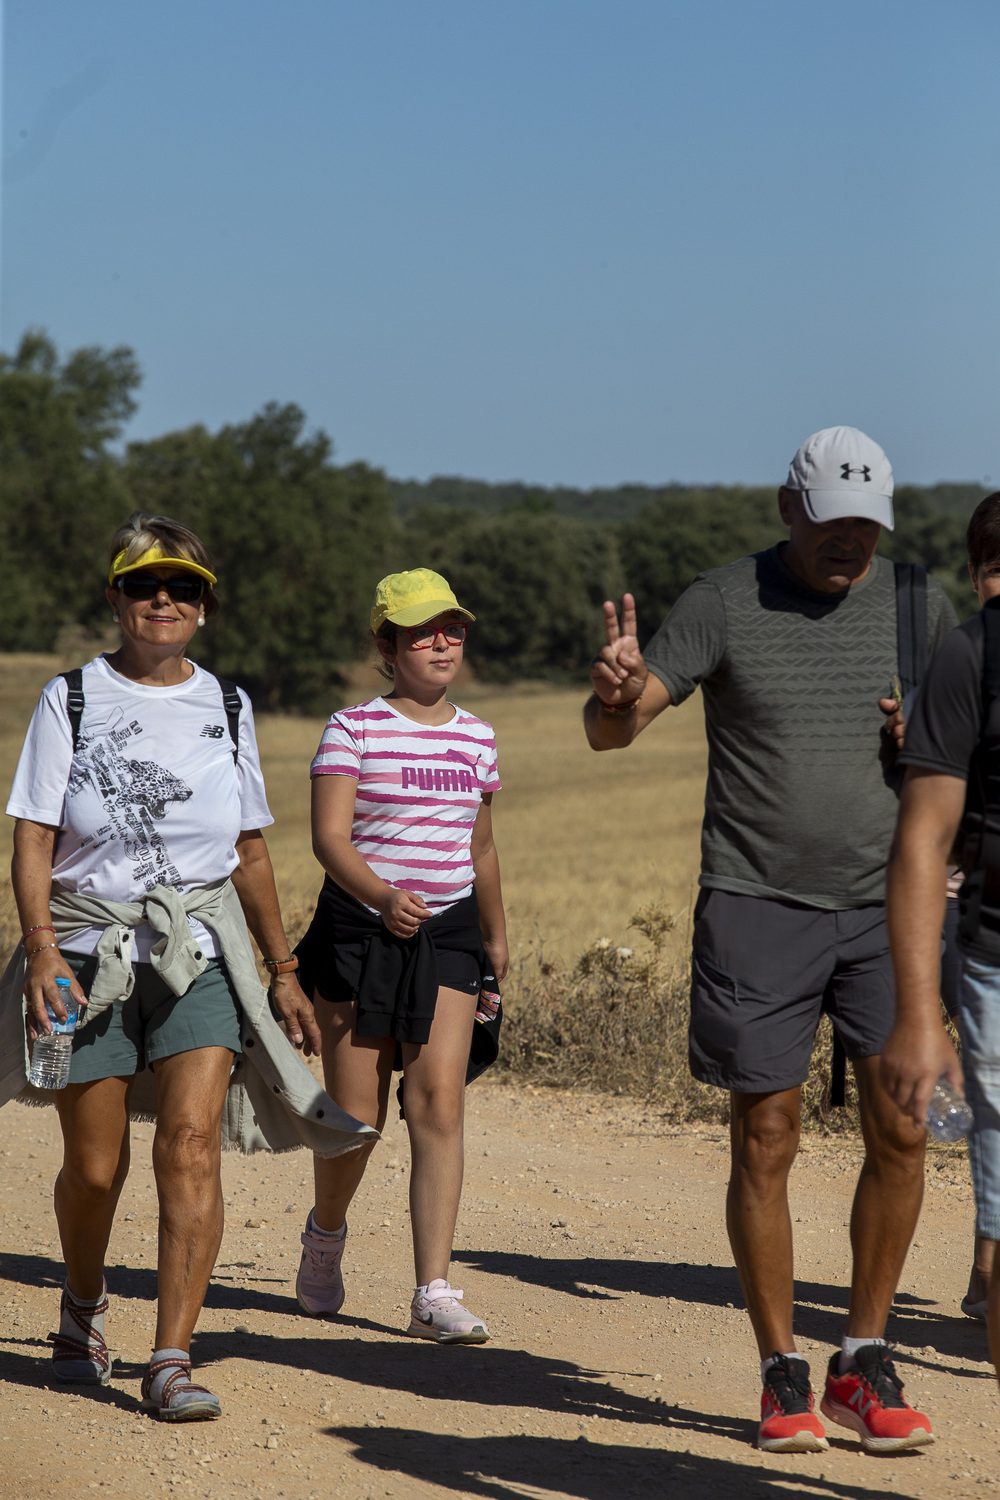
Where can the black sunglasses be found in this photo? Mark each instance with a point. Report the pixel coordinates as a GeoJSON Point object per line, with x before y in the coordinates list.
{"type": "Point", "coordinates": [181, 590]}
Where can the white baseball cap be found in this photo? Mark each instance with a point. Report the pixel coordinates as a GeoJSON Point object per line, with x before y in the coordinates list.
{"type": "Point", "coordinates": [841, 472]}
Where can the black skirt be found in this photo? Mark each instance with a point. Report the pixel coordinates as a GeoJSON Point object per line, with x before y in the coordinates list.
{"type": "Point", "coordinates": [349, 954]}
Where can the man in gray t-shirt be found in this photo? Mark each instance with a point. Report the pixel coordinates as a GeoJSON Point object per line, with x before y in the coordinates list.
{"type": "Point", "coordinates": [795, 650]}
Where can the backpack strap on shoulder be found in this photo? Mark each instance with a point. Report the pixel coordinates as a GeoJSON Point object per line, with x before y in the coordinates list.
{"type": "Point", "coordinates": [979, 780]}
{"type": "Point", "coordinates": [912, 648]}
{"type": "Point", "coordinates": [75, 701]}
{"type": "Point", "coordinates": [991, 656]}
{"type": "Point", "coordinates": [233, 704]}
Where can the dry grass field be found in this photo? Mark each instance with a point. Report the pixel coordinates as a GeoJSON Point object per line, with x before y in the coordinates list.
{"type": "Point", "coordinates": [586, 842]}
{"type": "Point", "coordinates": [584, 839]}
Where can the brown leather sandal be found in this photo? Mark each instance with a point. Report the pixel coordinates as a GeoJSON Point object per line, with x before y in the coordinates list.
{"type": "Point", "coordinates": [85, 1360]}
{"type": "Point", "coordinates": [180, 1400]}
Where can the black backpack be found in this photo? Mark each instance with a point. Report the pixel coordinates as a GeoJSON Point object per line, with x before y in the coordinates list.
{"type": "Point", "coordinates": [979, 835]}
{"type": "Point", "coordinates": [75, 704]}
{"type": "Point", "coordinates": [913, 655]}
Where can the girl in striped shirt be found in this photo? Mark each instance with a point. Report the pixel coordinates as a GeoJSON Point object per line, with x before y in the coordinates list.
{"type": "Point", "coordinates": [408, 930]}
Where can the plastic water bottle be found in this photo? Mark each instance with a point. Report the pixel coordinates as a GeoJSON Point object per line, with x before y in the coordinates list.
{"type": "Point", "coordinates": [51, 1055]}
{"type": "Point", "coordinates": [948, 1115]}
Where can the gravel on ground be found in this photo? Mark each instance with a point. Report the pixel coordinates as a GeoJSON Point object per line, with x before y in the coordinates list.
{"type": "Point", "coordinates": [591, 1240]}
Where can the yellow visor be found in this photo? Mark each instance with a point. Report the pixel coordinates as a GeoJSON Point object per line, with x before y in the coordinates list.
{"type": "Point", "coordinates": [156, 555]}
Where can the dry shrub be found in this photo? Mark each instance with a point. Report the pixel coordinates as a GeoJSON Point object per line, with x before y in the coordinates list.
{"type": "Point", "coordinates": [617, 1021]}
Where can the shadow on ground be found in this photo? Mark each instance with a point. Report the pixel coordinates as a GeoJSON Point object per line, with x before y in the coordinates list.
{"type": "Point", "coordinates": [820, 1309]}
{"type": "Point", "coordinates": [494, 1375]}
{"type": "Point", "coordinates": [502, 1468]}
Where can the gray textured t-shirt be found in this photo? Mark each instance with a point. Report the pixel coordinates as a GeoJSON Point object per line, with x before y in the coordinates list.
{"type": "Point", "coordinates": [797, 805]}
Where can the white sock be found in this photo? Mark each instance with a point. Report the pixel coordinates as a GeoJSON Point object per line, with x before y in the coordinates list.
{"type": "Point", "coordinates": [849, 1348]}
{"type": "Point", "coordinates": [326, 1234]}
{"type": "Point", "coordinates": [766, 1364]}
{"type": "Point", "coordinates": [84, 1306]}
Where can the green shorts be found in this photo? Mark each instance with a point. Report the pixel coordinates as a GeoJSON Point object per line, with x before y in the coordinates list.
{"type": "Point", "coordinates": [153, 1022]}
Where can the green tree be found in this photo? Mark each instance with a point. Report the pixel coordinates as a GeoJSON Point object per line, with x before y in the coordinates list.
{"type": "Point", "coordinates": [534, 580]}
{"type": "Point", "coordinates": [675, 538]}
{"type": "Point", "coordinates": [299, 545]}
{"type": "Point", "coordinates": [61, 490]}
{"type": "Point", "coordinates": [933, 535]}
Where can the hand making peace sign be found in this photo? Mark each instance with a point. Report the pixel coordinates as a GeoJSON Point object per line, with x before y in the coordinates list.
{"type": "Point", "coordinates": [618, 671]}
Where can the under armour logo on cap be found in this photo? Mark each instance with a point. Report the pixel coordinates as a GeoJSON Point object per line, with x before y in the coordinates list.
{"type": "Point", "coordinates": [846, 471]}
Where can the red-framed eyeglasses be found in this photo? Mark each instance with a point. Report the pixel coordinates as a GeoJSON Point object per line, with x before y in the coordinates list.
{"type": "Point", "coordinates": [422, 637]}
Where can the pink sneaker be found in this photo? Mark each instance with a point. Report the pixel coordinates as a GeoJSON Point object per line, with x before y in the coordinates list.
{"type": "Point", "coordinates": [438, 1314]}
{"type": "Point", "coordinates": [319, 1286]}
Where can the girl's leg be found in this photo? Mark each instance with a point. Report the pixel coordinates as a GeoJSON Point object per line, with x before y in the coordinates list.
{"type": "Point", "coordinates": [187, 1153]}
{"type": "Point", "coordinates": [357, 1072]}
{"type": "Point", "coordinates": [95, 1129]}
{"type": "Point", "coordinates": [435, 1118]}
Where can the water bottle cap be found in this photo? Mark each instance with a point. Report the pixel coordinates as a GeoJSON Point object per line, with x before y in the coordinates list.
{"type": "Point", "coordinates": [64, 982]}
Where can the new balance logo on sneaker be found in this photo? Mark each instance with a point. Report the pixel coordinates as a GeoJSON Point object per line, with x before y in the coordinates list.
{"type": "Point", "coordinates": [868, 1399]}
{"type": "Point", "coordinates": [858, 1400]}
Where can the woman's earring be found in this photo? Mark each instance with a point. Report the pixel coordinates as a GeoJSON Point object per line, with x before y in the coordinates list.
{"type": "Point", "coordinates": [114, 618]}
{"type": "Point", "coordinates": [201, 619]}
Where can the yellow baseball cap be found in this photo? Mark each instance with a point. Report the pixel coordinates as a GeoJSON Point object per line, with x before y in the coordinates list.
{"type": "Point", "coordinates": [413, 598]}
{"type": "Point", "coordinates": [156, 554]}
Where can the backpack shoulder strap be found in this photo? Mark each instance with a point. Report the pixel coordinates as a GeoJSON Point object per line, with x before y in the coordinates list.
{"type": "Point", "coordinates": [991, 655]}
{"type": "Point", "coordinates": [75, 701]}
{"type": "Point", "coordinates": [911, 624]}
{"type": "Point", "coordinates": [979, 780]}
{"type": "Point", "coordinates": [233, 704]}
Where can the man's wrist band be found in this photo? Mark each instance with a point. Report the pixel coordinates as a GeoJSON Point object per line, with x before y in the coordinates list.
{"type": "Point", "coordinates": [45, 927]}
{"type": "Point", "coordinates": [276, 966]}
{"type": "Point", "coordinates": [621, 708]}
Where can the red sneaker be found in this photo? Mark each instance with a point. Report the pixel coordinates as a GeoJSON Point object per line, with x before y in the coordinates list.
{"type": "Point", "coordinates": [868, 1398]}
{"type": "Point", "coordinates": [788, 1421]}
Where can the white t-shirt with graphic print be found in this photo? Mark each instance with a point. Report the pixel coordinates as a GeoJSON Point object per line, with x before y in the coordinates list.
{"type": "Point", "coordinates": [151, 797]}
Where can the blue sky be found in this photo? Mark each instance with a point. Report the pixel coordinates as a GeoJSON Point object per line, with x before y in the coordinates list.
{"type": "Point", "coordinates": [580, 241]}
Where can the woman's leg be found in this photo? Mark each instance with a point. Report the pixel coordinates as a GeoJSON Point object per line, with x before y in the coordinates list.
{"type": "Point", "coordinates": [95, 1129]}
{"type": "Point", "coordinates": [357, 1072]}
{"type": "Point", "coordinates": [435, 1118]}
{"type": "Point", "coordinates": [187, 1152]}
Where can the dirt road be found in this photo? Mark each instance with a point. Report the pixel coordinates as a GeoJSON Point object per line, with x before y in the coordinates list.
{"type": "Point", "coordinates": [591, 1239]}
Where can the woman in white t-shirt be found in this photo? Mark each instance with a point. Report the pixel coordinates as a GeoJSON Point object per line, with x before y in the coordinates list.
{"type": "Point", "coordinates": [408, 941]}
{"type": "Point", "coordinates": [135, 783]}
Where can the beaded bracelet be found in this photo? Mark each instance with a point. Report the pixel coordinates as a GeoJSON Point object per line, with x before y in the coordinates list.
{"type": "Point", "coordinates": [30, 952]}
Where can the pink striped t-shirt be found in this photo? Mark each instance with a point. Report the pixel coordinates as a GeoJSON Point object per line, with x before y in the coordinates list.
{"type": "Point", "coordinates": [419, 789]}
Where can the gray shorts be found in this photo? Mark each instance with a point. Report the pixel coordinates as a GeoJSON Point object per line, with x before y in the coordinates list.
{"type": "Point", "coordinates": [762, 974]}
{"type": "Point", "coordinates": [153, 1023]}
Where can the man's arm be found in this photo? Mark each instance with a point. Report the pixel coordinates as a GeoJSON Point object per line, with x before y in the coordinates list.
{"type": "Point", "coordinates": [626, 696]}
{"type": "Point", "coordinates": [918, 1050]}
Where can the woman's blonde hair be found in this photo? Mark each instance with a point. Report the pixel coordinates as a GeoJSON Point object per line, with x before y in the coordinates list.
{"type": "Point", "coordinates": [141, 531]}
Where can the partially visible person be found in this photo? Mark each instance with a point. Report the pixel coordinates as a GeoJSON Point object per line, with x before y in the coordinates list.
{"type": "Point", "coordinates": [953, 751]}
{"type": "Point", "coordinates": [794, 649]}
{"type": "Point", "coordinates": [138, 864]}
{"type": "Point", "coordinates": [408, 939]}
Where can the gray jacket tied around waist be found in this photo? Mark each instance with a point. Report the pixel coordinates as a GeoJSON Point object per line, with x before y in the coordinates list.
{"type": "Point", "coordinates": [274, 1103]}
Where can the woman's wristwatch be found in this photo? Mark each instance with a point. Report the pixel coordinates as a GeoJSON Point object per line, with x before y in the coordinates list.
{"type": "Point", "coordinates": [276, 966]}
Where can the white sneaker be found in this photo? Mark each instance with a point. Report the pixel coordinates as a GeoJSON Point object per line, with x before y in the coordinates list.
{"type": "Point", "coordinates": [438, 1314]}
{"type": "Point", "coordinates": [319, 1286]}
